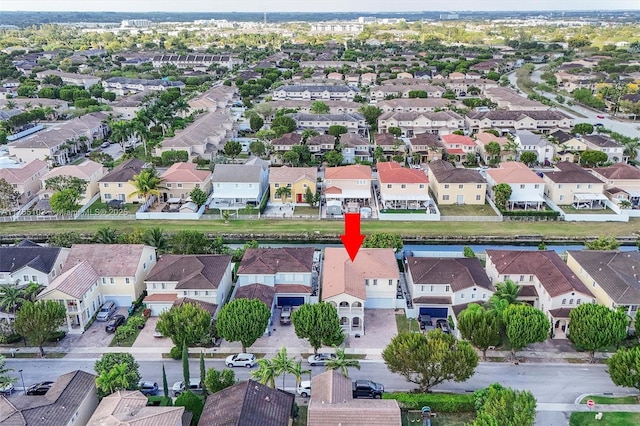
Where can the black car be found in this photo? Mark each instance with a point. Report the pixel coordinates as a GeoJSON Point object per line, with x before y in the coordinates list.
{"type": "Point", "coordinates": [443, 325]}
{"type": "Point", "coordinates": [114, 323]}
{"type": "Point", "coordinates": [39, 388]}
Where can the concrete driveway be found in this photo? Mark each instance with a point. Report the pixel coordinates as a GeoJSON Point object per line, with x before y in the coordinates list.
{"type": "Point", "coordinates": [95, 336]}
{"type": "Point", "coordinates": [147, 340]}
{"type": "Point", "coordinates": [379, 329]}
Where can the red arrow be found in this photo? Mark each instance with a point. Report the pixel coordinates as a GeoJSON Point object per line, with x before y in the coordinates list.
{"type": "Point", "coordinates": [352, 238]}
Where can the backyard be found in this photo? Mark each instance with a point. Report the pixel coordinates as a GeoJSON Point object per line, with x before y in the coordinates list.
{"type": "Point", "coordinates": [413, 417]}
{"type": "Point", "coordinates": [102, 208]}
{"type": "Point", "coordinates": [466, 210]}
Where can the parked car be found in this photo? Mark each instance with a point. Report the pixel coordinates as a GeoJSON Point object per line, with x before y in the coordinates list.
{"type": "Point", "coordinates": [443, 325]}
{"type": "Point", "coordinates": [240, 360]}
{"type": "Point", "coordinates": [367, 389]}
{"type": "Point", "coordinates": [156, 333]}
{"type": "Point", "coordinates": [304, 390]}
{"type": "Point", "coordinates": [600, 116]}
{"type": "Point", "coordinates": [39, 388]}
{"type": "Point", "coordinates": [285, 315]}
{"type": "Point", "coordinates": [194, 387]}
{"type": "Point", "coordinates": [148, 388]}
{"type": "Point", "coordinates": [7, 389]}
{"type": "Point", "coordinates": [114, 323]}
{"type": "Point", "coordinates": [320, 359]}
{"type": "Point", "coordinates": [105, 145]}
{"type": "Point", "coordinates": [599, 125]}
{"type": "Point", "coordinates": [106, 310]}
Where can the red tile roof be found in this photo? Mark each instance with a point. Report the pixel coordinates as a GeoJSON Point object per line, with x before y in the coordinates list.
{"type": "Point", "coordinates": [392, 172]}
{"type": "Point", "coordinates": [356, 171]}
{"type": "Point", "coordinates": [452, 139]}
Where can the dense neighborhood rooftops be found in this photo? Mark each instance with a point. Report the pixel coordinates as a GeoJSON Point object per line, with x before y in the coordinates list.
{"type": "Point", "coordinates": [26, 253]}
{"type": "Point", "coordinates": [143, 82]}
{"type": "Point", "coordinates": [83, 171]}
{"type": "Point", "coordinates": [191, 271]}
{"type": "Point", "coordinates": [20, 175]}
{"type": "Point", "coordinates": [505, 115]}
{"type": "Point", "coordinates": [620, 171]}
{"type": "Point", "coordinates": [601, 141]}
{"type": "Point", "coordinates": [207, 128]}
{"type": "Point", "coordinates": [303, 116]}
{"type": "Point", "coordinates": [353, 172]}
{"type": "Point", "coordinates": [426, 139]}
{"type": "Point", "coordinates": [209, 307]}
{"type": "Point", "coordinates": [237, 173]}
{"type": "Point", "coordinates": [415, 115]}
{"type": "Point", "coordinates": [287, 174]}
{"type": "Point", "coordinates": [446, 172]}
{"type": "Point", "coordinates": [125, 171]}
{"type": "Point", "coordinates": [454, 139]}
{"type": "Point", "coordinates": [567, 172]}
{"type": "Point", "coordinates": [615, 272]}
{"type": "Point", "coordinates": [336, 88]}
{"type": "Point", "coordinates": [129, 408]}
{"type": "Point", "coordinates": [528, 138]}
{"type": "Point", "coordinates": [485, 138]}
{"type": "Point", "coordinates": [413, 103]}
{"type": "Point", "coordinates": [288, 139]}
{"type": "Point", "coordinates": [459, 273]}
{"type": "Point", "coordinates": [272, 261]}
{"type": "Point", "coordinates": [322, 140]}
{"type": "Point", "coordinates": [546, 265]}
{"type": "Point", "coordinates": [392, 172]}
{"type": "Point", "coordinates": [248, 404]}
{"type": "Point", "coordinates": [108, 260]}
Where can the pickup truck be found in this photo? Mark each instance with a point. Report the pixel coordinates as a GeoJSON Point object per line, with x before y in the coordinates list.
{"type": "Point", "coordinates": [367, 389]}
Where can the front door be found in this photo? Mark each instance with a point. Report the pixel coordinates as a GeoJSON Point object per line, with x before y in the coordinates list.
{"type": "Point", "coordinates": [460, 199]}
{"type": "Point", "coordinates": [299, 198]}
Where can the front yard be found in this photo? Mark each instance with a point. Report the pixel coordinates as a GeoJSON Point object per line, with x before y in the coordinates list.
{"type": "Point", "coordinates": [588, 418]}
{"type": "Point", "coordinates": [413, 417]}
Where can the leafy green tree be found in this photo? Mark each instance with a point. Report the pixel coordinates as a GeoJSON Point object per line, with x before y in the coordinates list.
{"type": "Point", "coordinates": [215, 380]}
{"type": "Point", "coordinates": [311, 198]}
{"type": "Point", "coordinates": [8, 196]}
{"type": "Point", "coordinates": [383, 240]}
{"type": "Point", "coordinates": [595, 327]}
{"type": "Point", "coordinates": [395, 131]}
{"type": "Point", "coordinates": [129, 375]}
{"type": "Point", "coordinates": [592, 158]}
{"type": "Point", "coordinates": [112, 380]}
{"type": "Point", "coordinates": [155, 237]}
{"type": "Point", "coordinates": [106, 235]}
{"type": "Point", "coordinates": [65, 201]}
{"type": "Point", "coordinates": [186, 374]}
{"type": "Point", "coordinates": [333, 158]}
{"type": "Point", "coordinates": [480, 327]}
{"type": "Point", "coordinates": [190, 242]}
{"type": "Point", "coordinates": [38, 321]}
{"type": "Point", "coordinates": [172, 157]}
{"type": "Point", "coordinates": [65, 239]}
{"type": "Point", "coordinates": [371, 114]}
{"type": "Point", "coordinates": [319, 107]}
{"type": "Point", "coordinates": [203, 373]}
{"type": "Point", "coordinates": [283, 124]}
{"type": "Point", "coordinates": [256, 123]}
{"type": "Point", "coordinates": [191, 403]}
{"type": "Point", "coordinates": [184, 324]}
{"type": "Point", "coordinates": [257, 148]}
{"type": "Point", "coordinates": [582, 129]}
{"type": "Point", "coordinates": [501, 194]}
{"type": "Point", "coordinates": [5, 380]}
{"type": "Point", "coordinates": [624, 368]}
{"type": "Point", "coordinates": [502, 406]}
{"type": "Point", "coordinates": [232, 149]}
{"type": "Point", "coordinates": [603, 243]}
{"type": "Point", "coordinates": [468, 252]}
{"type": "Point", "coordinates": [243, 320]}
{"type": "Point", "coordinates": [525, 325]}
{"type": "Point", "coordinates": [342, 363]}
{"type": "Point", "coordinates": [528, 157]}
{"type": "Point", "coordinates": [198, 196]}
{"type": "Point", "coordinates": [123, 332]}
{"type": "Point", "coordinates": [431, 359]}
{"type": "Point", "coordinates": [319, 323]}
{"type": "Point", "coordinates": [418, 94]}
{"type": "Point", "coordinates": [336, 130]}
{"type": "Point", "coordinates": [493, 149]}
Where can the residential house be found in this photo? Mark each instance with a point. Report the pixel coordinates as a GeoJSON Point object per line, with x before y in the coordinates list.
{"type": "Point", "coordinates": [369, 281]}
{"type": "Point", "coordinates": [403, 188]}
{"type": "Point", "coordinates": [414, 104]}
{"type": "Point", "coordinates": [248, 403]}
{"type": "Point", "coordinates": [197, 62]}
{"type": "Point", "coordinates": [321, 144]}
{"type": "Point", "coordinates": [544, 121]}
{"type": "Point", "coordinates": [355, 148]}
{"type": "Point", "coordinates": [335, 76]}
{"type": "Point", "coordinates": [570, 184]}
{"type": "Point", "coordinates": [611, 276]}
{"type": "Point", "coordinates": [458, 146]}
{"type": "Point", "coordinates": [527, 188]}
{"type": "Point", "coordinates": [508, 99]}
{"type": "Point", "coordinates": [239, 185]}
{"type": "Point", "coordinates": [483, 139]}
{"type": "Point", "coordinates": [124, 85]}
{"type": "Point", "coordinates": [390, 145]}
{"type": "Point", "coordinates": [284, 143]}
{"type": "Point", "coordinates": [304, 106]}
{"type": "Point", "coordinates": [341, 92]}
{"type": "Point", "coordinates": [531, 142]}
{"type": "Point", "coordinates": [116, 185]}
{"type": "Point", "coordinates": [414, 123]}
{"type": "Point", "coordinates": [569, 147]}
{"type": "Point", "coordinates": [292, 272]}
{"type": "Point", "coordinates": [428, 146]}
{"type": "Point", "coordinates": [437, 284]}
{"type": "Point", "coordinates": [203, 278]}
{"type": "Point", "coordinates": [25, 180]}
{"type": "Point", "coordinates": [321, 122]}
{"type": "Point", "coordinates": [380, 93]}
{"type": "Point", "coordinates": [621, 182]}
{"type": "Point", "coordinates": [462, 85]}
{"type": "Point", "coordinates": [297, 179]}
{"type": "Point", "coordinates": [347, 188]}
{"type": "Point", "coordinates": [603, 143]}
{"type": "Point", "coordinates": [451, 185]}
{"type": "Point", "coordinates": [127, 107]}
{"type": "Point", "coordinates": [217, 98]}
{"type": "Point", "coordinates": [181, 178]}
{"type": "Point", "coordinates": [89, 171]}
{"type": "Point", "coordinates": [82, 80]}
{"type": "Point", "coordinates": [368, 78]}
{"type": "Point", "coordinates": [546, 282]}
{"type": "Point", "coordinates": [128, 408]}
{"type": "Point", "coordinates": [28, 262]}
{"type": "Point", "coordinates": [71, 400]}
{"type": "Point", "coordinates": [332, 403]}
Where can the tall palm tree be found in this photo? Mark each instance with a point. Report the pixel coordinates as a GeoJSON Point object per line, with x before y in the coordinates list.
{"type": "Point", "coordinates": [342, 363]}
{"type": "Point", "coordinates": [146, 183]}
{"type": "Point", "coordinates": [106, 235]}
{"type": "Point", "coordinates": [11, 297]}
{"type": "Point", "coordinates": [5, 380]}
{"type": "Point", "coordinates": [141, 130]}
{"type": "Point", "coordinates": [507, 290]}
{"type": "Point", "coordinates": [266, 373]}
{"type": "Point", "coordinates": [31, 291]}
{"type": "Point", "coordinates": [113, 380]}
{"type": "Point", "coordinates": [298, 372]}
{"type": "Point", "coordinates": [155, 237]}
{"type": "Point", "coordinates": [283, 363]}
{"type": "Point", "coordinates": [121, 132]}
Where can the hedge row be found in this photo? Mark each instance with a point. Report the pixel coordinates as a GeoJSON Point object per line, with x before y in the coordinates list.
{"type": "Point", "coordinates": [439, 402]}
{"type": "Point", "coordinates": [159, 401]}
{"type": "Point", "coordinates": [534, 213]}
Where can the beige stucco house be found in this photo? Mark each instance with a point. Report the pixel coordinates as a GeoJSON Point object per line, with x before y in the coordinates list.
{"type": "Point", "coordinates": [297, 179]}
{"type": "Point", "coordinates": [182, 178]}
{"type": "Point", "coordinates": [451, 185]}
{"type": "Point", "coordinates": [116, 185]}
{"type": "Point", "coordinates": [570, 184]}
{"type": "Point", "coordinates": [89, 171]}
{"type": "Point", "coordinates": [25, 180]}
{"type": "Point", "coordinates": [128, 408]}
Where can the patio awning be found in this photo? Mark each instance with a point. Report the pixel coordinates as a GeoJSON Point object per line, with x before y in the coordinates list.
{"type": "Point", "coordinates": [589, 197]}
{"type": "Point", "coordinates": [174, 200]}
{"type": "Point", "coordinates": [521, 198]}
{"type": "Point", "coordinates": [404, 197]}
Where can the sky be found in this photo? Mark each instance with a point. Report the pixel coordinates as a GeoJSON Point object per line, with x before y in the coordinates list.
{"type": "Point", "coordinates": [310, 6]}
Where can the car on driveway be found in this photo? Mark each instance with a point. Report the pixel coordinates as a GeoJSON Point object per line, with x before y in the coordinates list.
{"type": "Point", "coordinates": [105, 145]}
{"type": "Point", "coordinates": [285, 315]}
{"type": "Point", "coordinates": [600, 116]}
{"type": "Point", "coordinates": [304, 390]}
{"type": "Point", "coordinates": [114, 323]}
{"type": "Point", "coordinates": [443, 325]}
{"type": "Point", "coordinates": [320, 359]}
{"type": "Point", "coordinates": [240, 360]}
{"type": "Point", "coordinates": [148, 388]}
{"type": "Point", "coordinates": [39, 388]}
{"type": "Point", "coordinates": [598, 125]}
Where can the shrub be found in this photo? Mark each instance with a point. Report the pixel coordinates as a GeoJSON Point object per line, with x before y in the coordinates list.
{"type": "Point", "coordinates": [439, 402]}
{"type": "Point", "coordinates": [175, 352]}
{"type": "Point", "coordinates": [159, 401]}
{"type": "Point", "coordinates": [57, 336]}
{"type": "Point", "coordinates": [146, 313]}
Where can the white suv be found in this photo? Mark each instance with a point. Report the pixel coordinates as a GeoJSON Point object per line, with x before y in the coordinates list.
{"type": "Point", "coordinates": [240, 360]}
{"type": "Point", "coordinates": [194, 387]}
{"type": "Point", "coordinates": [304, 390]}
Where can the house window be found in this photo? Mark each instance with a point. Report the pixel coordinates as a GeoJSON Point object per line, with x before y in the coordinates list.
{"type": "Point", "coordinates": [461, 295]}
{"type": "Point", "coordinates": [522, 186]}
{"type": "Point", "coordinates": [431, 289]}
{"type": "Point", "coordinates": [185, 293]}
{"type": "Point", "coordinates": [389, 186]}
{"type": "Point", "coordinates": [445, 198]}
{"type": "Point", "coordinates": [564, 301]}
{"type": "Point", "coordinates": [26, 278]}
{"type": "Point", "coordinates": [276, 185]}
{"type": "Point", "coordinates": [578, 301]}
{"type": "Point", "coordinates": [104, 281]}
{"type": "Point", "coordinates": [571, 301]}
{"type": "Point", "coordinates": [179, 185]}
{"type": "Point", "coordinates": [530, 277]}
{"type": "Point", "coordinates": [196, 293]}
{"type": "Point", "coordinates": [461, 186]}
{"type": "Point", "coordinates": [478, 186]}
{"type": "Point", "coordinates": [111, 281]}
{"type": "Point", "coordinates": [421, 186]}
{"type": "Point", "coordinates": [473, 295]}
{"type": "Point", "coordinates": [536, 186]}
{"type": "Point", "coordinates": [403, 186]}
{"type": "Point", "coordinates": [168, 185]}
{"type": "Point", "coordinates": [119, 185]}
{"type": "Point", "coordinates": [390, 282]}
{"type": "Point", "coordinates": [578, 186]}
{"type": "Point", "coordinates": [106, 185]}
{"type": "Point", "coordinates": [521, 277]}
{"type": "Point", "coordinates": [144, 266]}
{"type": "Point", "coordinates": [206, 293]}
{"type": "Point", "coordinates": [561, 197]}
{"type": "Point", "coordinates": [34, 278]}
{"type": "Point", "coordinates": [589, 186]}
{"type": "Point", "coordinates": [107, 196]}
{"type": "Point", "coordinates": [484, 295]}
{"type": "Point", "coordinates": [366, 281]}
{"type": "Point", "coordinates": [127, 281]}
{"type": "Point", "coordinates": [375, 282]}
{"type": "Point", "coordinates": [446, 288]}
{"type": "Point", "coordinates": [163, 286]}
{"type": "Point", "coordinates": [237, 185]}
{"type": "Point", "coordinates": [153, 286]}
{"type": "Point", "coordinates": [478, 197]}
{"type": "Point", "coordinates": [446, 186]}
{"type": "Point", "coordinates": [422, 288]}
{"type": "Point", "coordinates": [150, 257]}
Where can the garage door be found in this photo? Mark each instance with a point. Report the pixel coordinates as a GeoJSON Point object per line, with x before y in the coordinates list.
{"type": "Point", "coordinates": [120, 301]}
{"type": "Point", "coordinates": [435, 312]}
{"type": "Point", "coordinates": [290, 301]}
{"type": "Point", "coordinates": [158, 308]}
{"type": "Point", "coordinates": [379, 303]}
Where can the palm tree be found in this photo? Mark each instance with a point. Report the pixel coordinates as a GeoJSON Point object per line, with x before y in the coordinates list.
{"type": "Point", "coordinates": [10, 105]}
{"type": "Point", "coordinates": [511, 147]}
{"type": "Point", "coordinates": [5, 380]}
{"type": "Point", "coordinates": [113, 380]}
{"type": "Point", "coordinates": [266, 373]}
{"type": "Point", "coordinates": [298, 372]}
{"type": "Point", "coordinates": [155, 237]}
{"type": "Point", "coordinates": [507, 290]}
{"type": "Point", "coordinates": [147, 183]}
{"type": "Point", "coordinates": [631, 148]}
{"type": "Point", "coordinates": [31, 291]}
{"type": "Point", "coordinates": [11, 297]}
{"type": "Point", "coordinates": [121, 132]}
{"type": "Point", "coordinates": [141, 131]}
{"type": "Point", "coordinates": [342, 363]}
{"type": "Point", "coordinates": [106, 235]}
{"type": "Point", "coordinates": [284, 192]}
{"type": "Point", "coordinates": [283, 364]}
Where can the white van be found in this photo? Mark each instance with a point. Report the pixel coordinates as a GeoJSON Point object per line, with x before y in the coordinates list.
{"type": "Point", "coordinates": [106, 310]}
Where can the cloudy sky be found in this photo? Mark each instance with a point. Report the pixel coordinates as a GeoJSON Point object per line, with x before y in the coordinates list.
{"type": "Point", "coordinates": [310, 6]}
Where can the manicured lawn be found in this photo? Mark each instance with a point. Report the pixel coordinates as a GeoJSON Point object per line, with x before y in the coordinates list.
{"type": "Point", "coordinates": [306, 210]}
{"type": "Point", "coordinates": [128, 342]}
{"type": "Point", "coordinates": [442, 419]}
{"type": "Point", "coordinates": [101, 208]}
{"type": "Point", "coordinates": [406, 324]}
{"type": "Point", "coordinates": [608, 419]}
{"type": "Point", "coordinates": [466, 210]}
{"type": "Point", "coordinates": [573, 210]}
{"type": "Point", "coordinates": [610, 400]}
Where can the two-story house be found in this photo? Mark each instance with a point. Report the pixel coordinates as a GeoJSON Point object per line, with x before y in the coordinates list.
{"type": "Point", "coordinates": [527, 188]}
{"type": "Point", "coordinates": [28, 262]}
{"type": "Point", "coordinates": [437, 284]}
{"type": "Point", "coordinates": [569, 147]}
{"type": "Point", "coordinates": [239, 184]}
{"type": "Point", "coordinates": [315, 92]}
{"type": "Point", "coordinates": [200, 278]}
{"type": "Point", "coordinates": [544, 121]}
{"type": "Point", "coordinates": [370, 281]}
{"type": "Point", "coordinates": [25, 180]}
{"type": "Point", "coordinates": [414, 123]}
{"type": "Point", "coordinates": [545, 280]}
{"type": "Point", "coordinates": [299, 180]}
{"type": "Point", "coordinates": [116, 185]}
{"type": "Point", "coordinates": [403, 188]}
{"type": "Point", "coordinates": [284, 143]}
{"type": "Point", "coordinates": [527, 141]}
{"type": "Point", "coordinates": [621, 182]}
{"type": "Point", "coordinates": [414, 104]}
{"type": "Point", "coordinates": [321, 144]}
{"type": "Point", "coordinates": [458, 146]}
{"type": "Point", "coordinates": [89, 171]}
{"type": "Point", "coordinates": [451, 185]}
{"type": "Point", "coordinates": [181, 178]}
{"type": "Point", "coordinates": [389, 144]}
{"type": "Point", "coordinates": [354, 122]}
{"type": "Point", "coordinates": [347, 188]}
{"type": "Point", "coordinates": [603, 143]}
{"type": "Point", "coordinates": [484, 138]}
{"type": "Point", "coordinates": [426, 145]}
{"type": "Point", "coordinates": [355, 148]}
{"type": "Point", "coordinates": [570, 184]}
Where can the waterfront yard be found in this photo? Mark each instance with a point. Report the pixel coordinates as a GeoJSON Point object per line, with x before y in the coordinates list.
{"type": "Point", "coordinates": [466, 210]}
